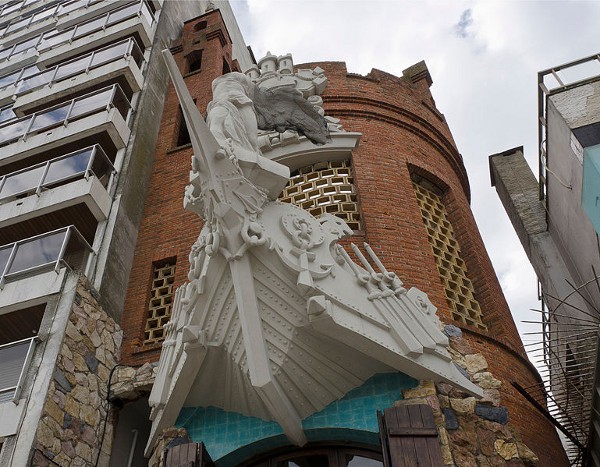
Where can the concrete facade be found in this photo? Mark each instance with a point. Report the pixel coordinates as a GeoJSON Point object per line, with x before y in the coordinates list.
{"type": "Point", "coordinates": [561, 242]}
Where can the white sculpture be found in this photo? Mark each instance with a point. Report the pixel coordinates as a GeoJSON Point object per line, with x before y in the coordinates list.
{"type": "Point", "coordinates": [276, 320]}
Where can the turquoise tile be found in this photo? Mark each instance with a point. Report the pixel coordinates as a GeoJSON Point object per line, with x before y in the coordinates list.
{"type": "Point", "coordinates": [231, 437]}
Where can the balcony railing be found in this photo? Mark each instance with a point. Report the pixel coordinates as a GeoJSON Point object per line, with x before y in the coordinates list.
{"type": "Point", "coordinates": [54, 38]}
{"type": "Point", "coordinates": [59, 171]}
{"type": "Point", "coordinates": [62, 114]}
{"type": "Point", "coordinates": [55, 10]}
{"type": "Point", "coordinates": [45, 252]}
{"type": "Point", "coordinates": [15, 358]}
{"type": "Point", "coordinates": [30, 78]}
{"type": "Point", "coordinates": [9, 8]}
{"type": "Point", "coordinates": [20, 23]}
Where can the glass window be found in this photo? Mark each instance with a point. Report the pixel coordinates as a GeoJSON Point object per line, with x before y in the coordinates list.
{"type": "Point", "coordinates": [6, 113]}
{"type": "Point", "coordinates": [12, 359]}
{"type": "Point", "coordinates": [23, 46]}
{"type": "Point", "coordinates": [54, 38]}
{"type": "Point", "coordinates": [37, 252]}
{"type": "Point", "coordinates": [305, 461]}
{"type": "Point", "coordinates": [123, 13]}
{"type": "Point", "coordinates": [354, 460]}
{"type": "Point", "coordinates": [4, 255]}
{"type": "Point", "coordinates": [72, 67]}
{"type": "Point", "coordinates": [34, 81]}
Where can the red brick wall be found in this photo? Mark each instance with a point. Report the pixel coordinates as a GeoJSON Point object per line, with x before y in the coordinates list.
{"type": "Point", "coordinates": [402, 131]}
{"type": "Point", "coordinates": [167, 230]}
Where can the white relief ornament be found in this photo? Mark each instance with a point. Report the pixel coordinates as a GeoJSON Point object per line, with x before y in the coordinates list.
{"type": "Point", "coordinates": [305, 231]}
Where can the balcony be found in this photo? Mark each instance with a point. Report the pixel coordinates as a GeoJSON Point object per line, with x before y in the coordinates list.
{"type": "Point", "coordinates": [51, 251]}
{"type": "Point", "coordinates": [121, 62]}
{"type": "Point", "coordinates": [42, 18]}
{"type": "Point", "coordinates": [78, 11]}
{"type": "Point", "coordinates": [35, 267]}
{"type": "Point", "coordinates": [55, 46]}
{"type": "Point", "coordinates": [105, 110]}
{"type": "Point", "coordinates": [81, 178]}
{"type": "Point", "coordinates": [11, 11]}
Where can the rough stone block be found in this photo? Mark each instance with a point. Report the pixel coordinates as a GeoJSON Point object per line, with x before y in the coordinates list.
{"type": "Point", "coordinates": [61, 381]}
{"type": "Point", "coordinates": [493, 414]}
{"type": "Point", "coordinates": [426, 388]}
{"type": "Point", "coordinates": [463, 406]}
{"type": "Point", "coordinates": [451, 420]}
{"type": "Point", "coordinates": [475, 363]}
{"type": "Point", "coordinates": [452, 331]}
{"type": "Point", "coordinates": [506, 450]}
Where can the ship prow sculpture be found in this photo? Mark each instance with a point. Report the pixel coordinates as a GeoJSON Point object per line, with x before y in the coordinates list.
{"type": "Point", "coordinates": [277, 321]}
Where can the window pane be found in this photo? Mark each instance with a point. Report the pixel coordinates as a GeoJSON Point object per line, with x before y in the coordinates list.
{"type": "Point", "coordinates": [13, 131]}
{"type": "Point", "coordinates": [4, 255]}
{"type": "Point", "coordinates": [107, 55]}
{"type": "Point", "coordinates": [91, 103]}
{"type": "Point", "coordinates": [71, 68]}
{"type": "Point", "coordinates": [21, 182]}
{"type": "Point", "coordinates": [64, 168]}
{"type": "Point", "coordinates": [25, 45]}
{"type": "Point", "coordinates": [54, 38]}
{"type": "Point", "coordinates": [12, 359]}
{"type": "Point", "coordinates": [89, 27]}
{"type": "Point", "coordinates": [37, 252]}
{"type": "Point", "coordinates": [34, 81]}
{"type": "Point", "coordinates": [124, 13]}
{"type": "Point", "coordinates": [359, 461]}
{"type": "Point", "coordinates": [50, 118]}
{"type": "Point", "coordinates": [305, 461]}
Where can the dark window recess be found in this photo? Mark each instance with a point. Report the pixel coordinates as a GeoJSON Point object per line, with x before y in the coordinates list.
{"type": "Point", "coordinates": [226, 67]}
{"type": "Point", "coordinates": [200, 26]}
{"type": "Point", "coordinates": [194, 61]}
{"type": "Point", "coordinates": [409, 436]}
{"type": "Point", "coordinates": [588, 135]}
{"type": "Point", "coordinates": [183, 135]}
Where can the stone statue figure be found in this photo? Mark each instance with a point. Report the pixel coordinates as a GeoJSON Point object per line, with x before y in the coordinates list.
{"type": "Point", "coordinates": [231, 116]}
{"type": "Point", "coordinates": [239, 108]}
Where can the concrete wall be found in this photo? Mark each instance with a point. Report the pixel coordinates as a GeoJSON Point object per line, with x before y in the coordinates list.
{"type": "Point", "coordinates": [116, 252]}
{"type": "Point", "coordinates": [568, 224]}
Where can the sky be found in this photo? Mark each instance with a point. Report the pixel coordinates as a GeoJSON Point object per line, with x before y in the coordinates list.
{"type": "Point", "coordinates": [483, 56]}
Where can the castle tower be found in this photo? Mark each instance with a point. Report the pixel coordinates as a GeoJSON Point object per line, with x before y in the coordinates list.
{"type": "Point", "coordinates": [392, 172]}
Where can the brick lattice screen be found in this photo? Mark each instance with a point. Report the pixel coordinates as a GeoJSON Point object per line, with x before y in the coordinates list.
{"type": "Point", "coordinates": [325, 187]}
{"type": "Point", "coordinates": [453, 270]}
{"type": "Point", "coordinates": [159, 305]}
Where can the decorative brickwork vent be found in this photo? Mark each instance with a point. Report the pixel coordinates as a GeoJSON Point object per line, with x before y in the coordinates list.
{"type": "Point", "coordinates": [452, 269]}
{"type": "Point", "coordinates": [325, 187]}
{"type": "Point", "coordinates": [161, 298]}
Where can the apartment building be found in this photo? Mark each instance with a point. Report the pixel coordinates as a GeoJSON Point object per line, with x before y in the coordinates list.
{"type": "Point", "coordinates": [556, 217]}
{"type": "Point", "coordinates": [75, 154]}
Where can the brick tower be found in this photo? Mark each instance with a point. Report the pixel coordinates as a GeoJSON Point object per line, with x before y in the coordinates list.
{"type": "Point", "coordinates": [404, 190]}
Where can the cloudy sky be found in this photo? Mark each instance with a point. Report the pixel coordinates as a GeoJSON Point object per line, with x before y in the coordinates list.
{"type": "Point", "coordinates": [483, 56]}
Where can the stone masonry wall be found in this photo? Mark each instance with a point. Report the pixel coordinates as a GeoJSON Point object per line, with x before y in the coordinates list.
{"type": "Point", "coordinates": [72, 426]}
{"type": "Point", "coordinates": [472, 432]}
